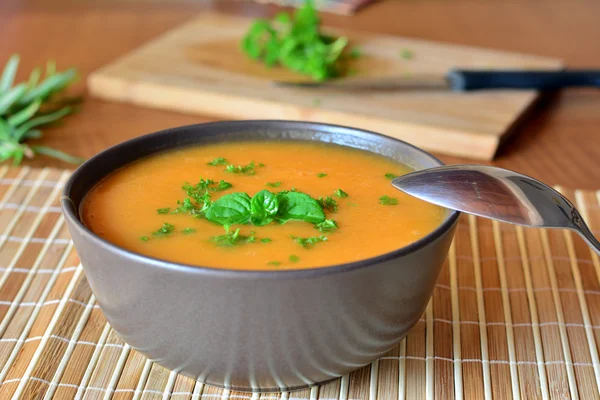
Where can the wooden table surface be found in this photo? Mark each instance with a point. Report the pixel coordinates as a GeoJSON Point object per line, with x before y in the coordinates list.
{"type": "Point", "coordinates": [559, 143]}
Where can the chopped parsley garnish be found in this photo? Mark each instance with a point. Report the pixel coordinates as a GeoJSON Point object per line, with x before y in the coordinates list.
{"type": "Point", "coordinates": [200, 194]}
{"type": "Point", "coordinates": [391, 176]}
{"type": "Point", "coordinates": [340, 193]}
{"type": "Point", "coordinates": [309, 242]}
{"type": "Point", "coordinates": [275, 263]}
{"type": "Point", "coordinates": [261, 165]}
{"type": "Point", "coordinates": [407, 54]}
{"type": "Point", "coordinates": [294, 258]}
{"type": "Point", "coordinates": [261, 209]}
{"type": "Point", "coordinates": [273, 184]}
{"type": "Point", "coordinates": [388, 201]}
{"type": "Point", "coordinates": [199, 190]}
{"type": "Point", "coordinates": [222, 185]}
{"type": "Point", "coordinates": [232, 238]}
{"type": "Point", "coordinates": [328, 203]}
{"type": "Point", "coordinates": [241, 169]}
{"type": "Point", "coordinates": [184, 206]}
{"type": "Point", "coordinates": [296, 43]}
{"type": "Point", "coordinates": [327, 226]}
{"type": "Point", "coordinates": [321, 175]}
{"type": "Point", "coordinates": [164, 230]}
{"type": "Point", "coordinates": [218, 161]}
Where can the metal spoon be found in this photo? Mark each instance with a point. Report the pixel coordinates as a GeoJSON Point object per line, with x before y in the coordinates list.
{"type": "Point", "coordinates": [498, 194]}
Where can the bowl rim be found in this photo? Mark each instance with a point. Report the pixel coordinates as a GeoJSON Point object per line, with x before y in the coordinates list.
{"type": "Point", "coordinates": [72, 215]}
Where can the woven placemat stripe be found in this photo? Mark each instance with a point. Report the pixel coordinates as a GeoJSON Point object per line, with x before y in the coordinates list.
{"type": "Point", "coordinates": [533, 309]}
{"type": "Point", "coordinates": [564, 340]}
{"type": "Point", "coordinates": [580, 270]}
{"type": "Point", "coordinates": [485, 365]}
{"type": "Point", "coordinates": [509, 331]}
{"type": "Point", "coordinates": [455, 312]}
{"type": "Point", "coordinates": [515, 313]}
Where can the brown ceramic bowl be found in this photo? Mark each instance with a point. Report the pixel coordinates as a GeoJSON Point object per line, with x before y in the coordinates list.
{"type": "Point", "coordinates": [258, 330]}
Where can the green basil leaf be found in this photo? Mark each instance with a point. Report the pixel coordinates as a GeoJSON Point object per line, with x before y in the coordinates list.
{"type": "Point", "coordinates": [296, 205]}
{"type": "Point", "coordinates": [260, 220]}
{"type": "Point", "coordinates": [233, 208]}
{"type": "Point", "coordinates": [264, 202]}
{"type": "Point", "coordinates": [263, 207]}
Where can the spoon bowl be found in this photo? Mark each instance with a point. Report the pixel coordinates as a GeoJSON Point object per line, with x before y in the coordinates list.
{"type": "Point", "coordinates": [498, 194]}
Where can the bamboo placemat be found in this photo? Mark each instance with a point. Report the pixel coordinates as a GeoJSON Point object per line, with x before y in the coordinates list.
{"type": "Point", "coordinates": [515, 314]}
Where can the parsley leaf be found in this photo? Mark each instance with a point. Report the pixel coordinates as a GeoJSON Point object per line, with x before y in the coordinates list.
{"type": "Point", "coordinates": [321, 175]}
{"type": "Point", "coordinates": [328, 203]}
{"type": "Point", "coordinates": [163, 210]}
{"type": "Point", "coordinates": [327, 226]}
{"type": "Point", "coordinates": [164, 230]}
{"type": "Point", "coordinates": [217, 161]}
{"type": "Point", "coordinates": [309, 242]}
{"type": "Point", "coordinates": [222, 185]}
{"type": "Point", "coordinates": [340, 193]}
{"type": "Point", "coordinates": [266, 240]}
{"type": "Point", "coordinates": [144, 238]}
{"type": "Point", "coordinates": [200, 193]}
{"type": "Point", "coordinates": [294, 258]}
{"type": "Point", "coordinates": [388, 201]}
{"type": "Point", "coordinates": [187, 207]}
{"type": "Point", "coordinates": [199, 190]}
{"type": "Point", "coordinates": [391, 176]}
{"type": "Point", "coordinates": [273, 184]}
{"type": "Point", "coordinates": [275, 263]}
{"type": "Point", "coordinates": [187, 231]}
{"type": "Point", "coordinates": [233, 238]}
{"type": "Point", "coordinates": [241, 169]}
{"type": "Point", "coordinates": [296, 43]}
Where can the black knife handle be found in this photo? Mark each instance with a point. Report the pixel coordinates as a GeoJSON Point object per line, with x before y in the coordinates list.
{"type": "Point", "coordinates": [466, 80]}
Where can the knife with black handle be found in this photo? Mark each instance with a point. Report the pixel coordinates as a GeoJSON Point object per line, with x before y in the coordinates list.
{"type": "Point", "coordinates": [464, 80]}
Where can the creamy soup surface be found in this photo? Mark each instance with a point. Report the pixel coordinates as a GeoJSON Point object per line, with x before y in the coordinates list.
{"type": "Point", "coordinates": [134, 207]}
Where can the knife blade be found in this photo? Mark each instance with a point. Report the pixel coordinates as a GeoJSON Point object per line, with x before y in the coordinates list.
{"type": "Point", "coordinates": [460, 80]}
{"type": "Point", "coordinates": [388, 83]}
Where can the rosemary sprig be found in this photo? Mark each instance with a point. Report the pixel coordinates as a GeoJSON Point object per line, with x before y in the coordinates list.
{"type": "Point", "coordinates": [26, 106]}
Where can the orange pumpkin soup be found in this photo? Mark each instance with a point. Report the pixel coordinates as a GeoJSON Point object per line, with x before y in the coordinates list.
{"type": "Point", "coordinates": [259, 206]}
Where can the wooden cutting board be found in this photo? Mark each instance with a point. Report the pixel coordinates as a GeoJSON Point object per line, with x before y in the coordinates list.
{"type": "Point", "coordinates": [198, 68]}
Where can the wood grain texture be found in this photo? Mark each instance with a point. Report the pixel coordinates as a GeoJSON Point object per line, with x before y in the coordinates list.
{"type": "Point", "coordinates": [198, 68]}
{"type": "Point", "coordinates": [558, 143]}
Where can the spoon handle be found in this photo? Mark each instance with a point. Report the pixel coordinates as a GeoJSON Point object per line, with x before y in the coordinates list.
{"type": "Point", "coordinates": [584, 231]}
